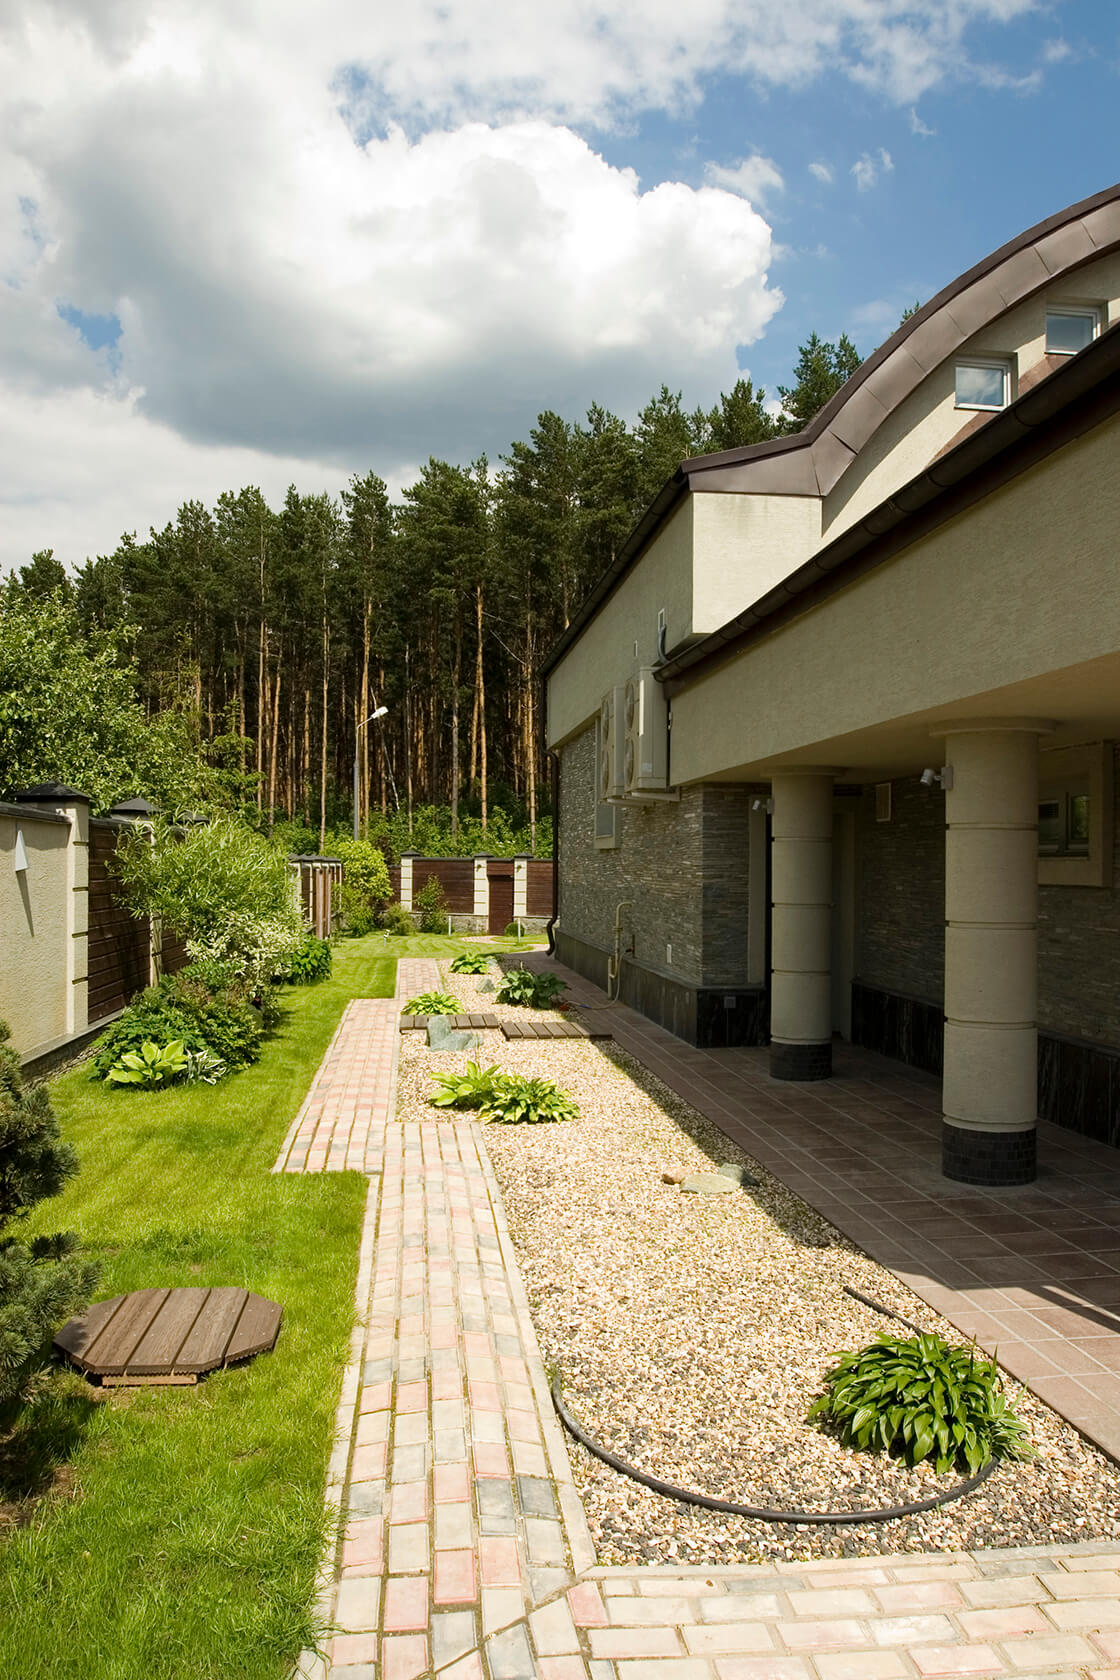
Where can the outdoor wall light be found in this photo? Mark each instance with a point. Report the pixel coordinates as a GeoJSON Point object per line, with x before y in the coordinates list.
{"type": "Point", "coordinates": [942, 778]}
{"type": "Point", "coordinates": [766, 805]}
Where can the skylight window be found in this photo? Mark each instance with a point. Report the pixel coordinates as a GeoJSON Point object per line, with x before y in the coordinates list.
{"type": "Point", "coordinates": [1070, 330]}
{"type": "Point", "coordinates": [983, 384]}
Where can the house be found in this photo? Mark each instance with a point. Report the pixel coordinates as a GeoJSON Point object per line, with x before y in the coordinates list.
{"type": "Point", "coordinates": [835, 736]}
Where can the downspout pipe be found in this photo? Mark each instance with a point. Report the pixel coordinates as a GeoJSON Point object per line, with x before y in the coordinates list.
{"type": "Point", "coordinates": [554, 770]}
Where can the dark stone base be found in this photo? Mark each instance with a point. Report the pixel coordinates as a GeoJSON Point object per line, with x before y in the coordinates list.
{"type": "Point", "coordinates": [991, 1158]}
{"type": "Point", "coordinates": [912, 1030]}
{"type": "Point", "coordinates": [707, 1016]}
{"type": "Point", "coordinates": [801, 1061]}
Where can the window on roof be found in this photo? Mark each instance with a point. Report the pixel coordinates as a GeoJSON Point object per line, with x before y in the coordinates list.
{"type": "Point", "coordinates": [1070, 330]}
{"type": "Point", "coordinates": [983, 384]}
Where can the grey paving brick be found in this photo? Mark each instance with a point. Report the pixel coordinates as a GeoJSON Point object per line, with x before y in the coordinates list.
{"type": "Point", "coordinates": [508, 1655]}
{"type": "Point", "coordinates": [536, 1497]}
{"type": "Point", "coordinates": [376, 1371]}
{"type": "Point", "coordinates": [366, 1499]}
{"type": "Point", "coordinates": [453, 1634]}
{"type": "Point", "coordinates": [412, 1370]}
{"type": "Point", "coordinates": [410, 1464]}
{"type": "Point", "coordinates": [495, 1505]}
{"type": "Point", "coordinates": [450, 1446]}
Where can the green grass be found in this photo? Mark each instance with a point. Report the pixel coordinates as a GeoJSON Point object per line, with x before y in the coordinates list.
{"type": "Point", "coordinates": [185, 1526]}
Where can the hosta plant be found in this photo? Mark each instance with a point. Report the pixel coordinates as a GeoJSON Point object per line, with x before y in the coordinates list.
{"type": "Point", "coordinates": [921, 1398]}
{"type": "Point", "coordinates": [470, 1089]}
{"type": "Point", "coordinates": [432, 1003]}
{"type": "Point", "coordinates": [499, 1096]}
{"type": "Point", "coordinates": [204, 1068]}
{"type": "Point", "coordinates": [152, 1064]}
{"type": "Point", "coordinates": [471, 962]}
{"type": "Point", "coordinates": [522, 986]}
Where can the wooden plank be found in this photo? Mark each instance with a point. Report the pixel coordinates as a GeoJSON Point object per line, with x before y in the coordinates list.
{"type": "Point", "coordinates": [110, 1354]}
{"type": "Point", "coordinates": [205, 1347]}
{"type": "Point", "coordinates": [167, 1333]}
{"type": "Point", "coordinates": [257, 1329]}
{"type": "Point", "coordinates": [77, 1337]}
{"type": "Point", "coordinates": [414, 1023]}
{"type": "Point", "coordinates": [513, 1029]}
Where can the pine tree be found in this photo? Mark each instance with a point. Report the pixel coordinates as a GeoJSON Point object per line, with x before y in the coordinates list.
{"type": "Point", "coordinates": [738, 419]}
{"type": "Point", "coordinates": [41, 1282]}
{"type": "Point", "coordinates": [821, 370]}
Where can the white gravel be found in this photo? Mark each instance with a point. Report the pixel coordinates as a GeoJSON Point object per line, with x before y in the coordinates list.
{"type": "Point", "coordinates": [692, 1332]}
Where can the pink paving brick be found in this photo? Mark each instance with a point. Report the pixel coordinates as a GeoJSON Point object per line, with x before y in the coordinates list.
{"type": "Point", "coordinates": [451, 1484]}
{"type": "Point", "coordinates": [371, 1427]}
{"type": "Point", "coordinates": [467, 1668]}
{"type": "Point", "coordinates": [561, 1668]}
{"type": "Point", "coordinates": [404, 1658]}
{"type": "Point", "coordinates": [412, 1397]}
{"type": "Point", "coordinates": [489, 1459]}
{"type": "Point", "coordinates": [586, 1603]}
{"type": "Point", "coordinates": [498, 1563]}
{"type": "Point", "coordinates": [948, 1662]}
{"type": "Point", "coordinates": [364, 1544]}
{"type": "Point", "coordinates": [485, 1396]}
{"type": "Point", "coordinates": [821, 1636]}
{"type": "Point", "coordinates": [918, 1595]}
{"type": "Point", "coordinates": [1107, 1643]}
{"type": "Point", "coordinates": [523, 1426]}
{"type": "Point", "coordinates": [409, 1502]}
{"type": "Point", "coordinates": [368, 1464]}
{"type": "Point", "coordinates": [406, 1604]}
{"type": "Point", "coordinates": [375, 1398]}
{"type": "Point", "coordinates": [455, 1578]}
{"type": "Point", "coordinates": [762, 1668]}
{"type": "Point", "coordinates": [1003, 1623]}
{"type": "Point", "coordinates": [354, 1648]}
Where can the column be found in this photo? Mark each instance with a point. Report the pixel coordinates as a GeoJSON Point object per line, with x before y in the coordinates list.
{"type": "Point", "coordinates": [801, 925]}
{"type": "Point", "coordinates": [406, 880]}
{"type": "Point", "coordinates": [521, 886]}
{"type": "Point", "coordinates": [989, 1092]}
{"type": "Point", "coordinates": [70, 803]}
{"type": "Point", "coordinates": [481, 891]}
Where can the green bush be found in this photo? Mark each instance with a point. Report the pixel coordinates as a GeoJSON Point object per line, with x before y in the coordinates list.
{"type": "Point", "coordinates": [507, 1097]}
{"type": "Point", "coordinates": [431, 907]}
{"type": "Point", "coordinates": [182, 1007]}
{"type": "Point", "coordinates": [512, 930]}
{"type": "Point", "coordinates": [311, 961]}
{"type": "Point", "coordinates": [396, 920]}
{"type": "Point", "coordinates": [471, 962]}
{"type": "Point", "coordinates": [432, 1003]}
{"type": "Point", "coordinates": [522, 986]}
{"type": "Point", "coordinates": [153, 1064]}
{"type": "Point", "coordinates": [365, 884]}
{"type": "Point", "coordinates": [921, 1398]}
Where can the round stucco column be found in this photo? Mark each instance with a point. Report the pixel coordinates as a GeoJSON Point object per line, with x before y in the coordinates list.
{"type": "Point", "coordinates": [989, 1093]}
{"type": "Point", "coordinates": [801, 925]}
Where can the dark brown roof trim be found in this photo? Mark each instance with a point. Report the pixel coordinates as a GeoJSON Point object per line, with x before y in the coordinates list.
{"type": "Point", "coordinates": [1075, 399]}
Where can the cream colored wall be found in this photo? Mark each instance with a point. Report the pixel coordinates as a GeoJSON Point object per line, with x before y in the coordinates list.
{"type": "Point", "coordinates": [34, 933]}
{"type": "Point", "coordinates": [956, 615]}
{"type": "Point", "coordinates": [744, 546]}
{"type": "Point", "coordinates": [623, 635]}
{"type": "Point", "coordinates": [922, 425]}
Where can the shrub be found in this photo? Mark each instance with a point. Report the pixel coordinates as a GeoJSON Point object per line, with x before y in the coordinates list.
{"type": "Point", "coordinates": [223, 888]}
{"type": "Point", "coordinates": [512, 930]}
{"type": "Point", "coordinates": [431, 907]}
{"type": "Point", "coordinates": [41, 1282]}
{"type": "Point", "coordinates": [432, 1003]}
{"type": "Point", "coordinates": [921, 1398]}
{"type": "Point", "coordinates": [204, 1068]}
{"type": "Point", "coordinates": [471, 962]}
{"type": "Point", "coordinates": [311, 961]}
{"type": "Point", "coordinates": [508, 1097]}
{"type": "Point", "coordinates": [522, 986]}
{"type": "Point", "coordinates": [183, 1007]}
{"type": "Point", "coordinates": [365, 884]}
{"type": "Point", "coordinates": [153, 1064]}
{"type": "Point", "coordinates": [396, 920]}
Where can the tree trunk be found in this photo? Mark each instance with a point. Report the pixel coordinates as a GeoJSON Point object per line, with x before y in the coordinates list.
{"type": "Point", "coordinates": [275, 711]}
{"type": "Point", "coordinates": [480, 693]}
{"type": "Point", "coordinates": [262, 713]}
{"type": "Point", "coordinates": [363, 710]}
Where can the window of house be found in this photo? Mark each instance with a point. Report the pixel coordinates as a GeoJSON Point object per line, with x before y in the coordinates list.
{"type": "Point", "coordinates": [1070, 330]}
{"type": "Point", "coordinates": [983, 383]}
{"type": "Point", "coordinates": [1063, 820]}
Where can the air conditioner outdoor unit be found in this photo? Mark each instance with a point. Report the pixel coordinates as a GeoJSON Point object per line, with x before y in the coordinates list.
{"type": "Point", "coordinates": [646, 719]}
{"type": "Point", "coordinates": [612, 745]}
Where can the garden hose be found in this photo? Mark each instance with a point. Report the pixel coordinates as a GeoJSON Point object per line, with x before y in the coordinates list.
{"type": "Point", "coordinates": [761, 1513]}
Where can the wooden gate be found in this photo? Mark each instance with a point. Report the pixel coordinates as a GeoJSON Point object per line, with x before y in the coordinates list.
{"type": "Point", "coordinates": [500, 875]}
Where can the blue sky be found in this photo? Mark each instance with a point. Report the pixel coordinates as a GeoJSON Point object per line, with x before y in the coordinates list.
{"type": "Point", "coordinates": [271, 245]}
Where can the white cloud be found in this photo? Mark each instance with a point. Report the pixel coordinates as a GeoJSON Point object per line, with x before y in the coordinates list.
{"type": "Point", "coordinates": [1056, 51]}
{"type": "Point", "coordinates": [753, 178]}
{"type": "Point", "coordinates": [868, 168]}
{"type": "Point", "coordinates": [917, 126]}
{"type": "Point", "coordinates": [823, 173]}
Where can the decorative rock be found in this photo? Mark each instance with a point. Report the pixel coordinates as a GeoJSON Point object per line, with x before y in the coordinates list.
{"type": "Point", "coordinates": [487, 986]}
{"type": "Point", "coordinates": [708, 1184]}
{"type": "Point", "coordinates": [737, 1174]}
{"type": "Point", "coordinates": [446, 1038]}
{"type": "Point", "coordinates": [674, 1175]}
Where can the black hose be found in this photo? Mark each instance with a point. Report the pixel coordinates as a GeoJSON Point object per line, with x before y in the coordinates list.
{"type": "Point", "coordinates": [760, 1513]}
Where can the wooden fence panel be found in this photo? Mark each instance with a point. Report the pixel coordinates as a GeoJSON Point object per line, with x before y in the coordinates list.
{"type": "Point", "coordinates": [538, 896]}
{"type": "Point", "coordinates": [119, 951]}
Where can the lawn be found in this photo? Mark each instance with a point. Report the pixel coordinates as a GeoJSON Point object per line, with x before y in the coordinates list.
{"type": "Point", "coordinates": [183, 1527]}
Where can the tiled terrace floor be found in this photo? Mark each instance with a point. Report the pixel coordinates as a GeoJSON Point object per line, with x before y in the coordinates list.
{"type": "Point", "coordinates": [1032, 1271]}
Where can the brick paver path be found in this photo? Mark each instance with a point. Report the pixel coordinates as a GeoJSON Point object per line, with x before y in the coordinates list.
{"type": "Point", "coordinates": [463, 1550]}
{"type": "Point", "coordinates": [341, 1124]}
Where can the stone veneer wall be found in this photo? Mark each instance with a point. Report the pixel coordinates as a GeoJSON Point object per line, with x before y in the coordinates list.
{"type": "Point", "coordinates": [684, 867]}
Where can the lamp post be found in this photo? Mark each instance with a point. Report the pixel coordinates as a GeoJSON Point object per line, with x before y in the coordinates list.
{"type": "Point", "coordinates": [378, 713]}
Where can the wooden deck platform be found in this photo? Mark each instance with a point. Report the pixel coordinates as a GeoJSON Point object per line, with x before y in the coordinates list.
{"type": "Point", "coordinates": [461, 1023]}
{"type": "Point", "coordinates": [168, 1336]}
{"type": "Point", "coordinates": [552, 1029]}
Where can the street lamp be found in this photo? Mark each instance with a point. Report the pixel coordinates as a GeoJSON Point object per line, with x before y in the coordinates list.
{"type": "Point", "coordinates": [378, 713]}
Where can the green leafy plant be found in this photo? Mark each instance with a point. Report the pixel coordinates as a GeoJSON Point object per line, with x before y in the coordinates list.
{"type": "Point", "coordinates": [921, 1398]}
{"type": "Point", "coordinates": [522, 986]}
{"type": "Point", "coordinates": [396, 920]}
{"type": "Point", "coordinates": [432, 1003]}
{"type": "Point", "coordinates": [152, 1064]}
{"type": "Point", "coordinates": [470, 1089]}
{"type": "Point", "coordinates": [471, 962]}
{"type": "Point", "coordinates": [204, 1068]}
{"type": "Point", "coordinates": [224, 1021]}
{"type": "Point", "coordinates": [431, 906]}
{"type": "Point", "coordinates": [310, 961]}
{"type": "Point", "coordinates": [365, 884]}
{"type": "Point", "coordinates": [507, 1097]}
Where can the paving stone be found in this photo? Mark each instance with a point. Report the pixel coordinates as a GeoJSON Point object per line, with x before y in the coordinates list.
{"type": "Point", "coordinates": [552, 1629]}
{"type": "Point", "coordinates": [501, 1606]}
{"type": "Point", "coordinates": [495, 1505]}
{"type": "Point", "coordinates": [508, 1656]}
{"type": "Point", "coordinates": [404, 1657]}
{"type": "Point", "coordinates": [535, 1496]}
{"type": "Point", "coordinates": [454, 1633]}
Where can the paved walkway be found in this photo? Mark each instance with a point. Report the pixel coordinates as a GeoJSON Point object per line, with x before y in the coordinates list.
{"type": "Point", "coordinates": [464, 1552]}
{"type": "Point", "coordinates": [1032, 1271]}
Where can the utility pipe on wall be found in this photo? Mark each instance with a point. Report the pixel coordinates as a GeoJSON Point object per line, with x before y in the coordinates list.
{"type": "Point", "coordinates": [614, 963]}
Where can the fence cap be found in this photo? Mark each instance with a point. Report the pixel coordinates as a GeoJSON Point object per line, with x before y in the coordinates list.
{"type": "Point", "coordinates": [51, 793]}
{"type": "Point", "coordinates": [137, 807]}
{"type": "Point", "coordinates": [484, 854]}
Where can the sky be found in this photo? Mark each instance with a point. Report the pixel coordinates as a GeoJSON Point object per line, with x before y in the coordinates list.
{"type": "Point", "coordinates": [255, 242]}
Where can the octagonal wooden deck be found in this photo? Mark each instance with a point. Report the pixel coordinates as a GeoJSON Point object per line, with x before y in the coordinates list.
{"type": "Point", "coordinates": [168, 1336]}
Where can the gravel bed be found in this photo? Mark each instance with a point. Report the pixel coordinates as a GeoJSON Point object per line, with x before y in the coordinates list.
{"type": "Point", "coordinates": [692, 1332]}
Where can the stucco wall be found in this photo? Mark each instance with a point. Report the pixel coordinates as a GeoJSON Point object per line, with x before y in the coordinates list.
{"type": "Point", "coordinates": [34, 931]}
{"type": "Point", "coordinates": [684, 868]}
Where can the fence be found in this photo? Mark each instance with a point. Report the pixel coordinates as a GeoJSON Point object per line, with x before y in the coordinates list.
{"type": "Point", "coordinates": [483, 894]}
{"type": "Point", "coordinates": [318, 878]}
